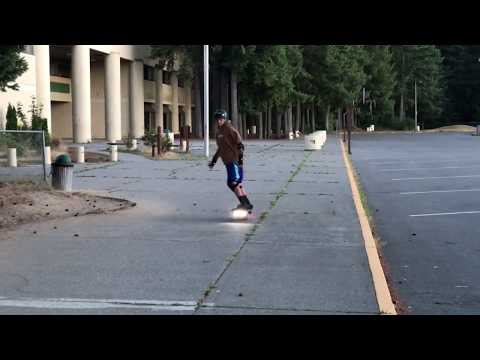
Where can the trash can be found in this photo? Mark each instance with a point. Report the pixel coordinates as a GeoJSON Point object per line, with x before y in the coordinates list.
{"type": "Point", "coordinates": [62, 173]}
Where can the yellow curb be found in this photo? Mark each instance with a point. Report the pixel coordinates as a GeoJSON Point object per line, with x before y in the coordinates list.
{"type": "Point", "coordinates": [382, 292]}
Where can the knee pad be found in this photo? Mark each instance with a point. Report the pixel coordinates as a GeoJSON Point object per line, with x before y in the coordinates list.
{"type": "Point", "coordinates": [233, 185]}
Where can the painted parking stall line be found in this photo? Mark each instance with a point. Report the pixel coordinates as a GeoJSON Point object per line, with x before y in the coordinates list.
{"type": "Point", "coordinates": [438, 192]}
{"type": "Point", "coordinates": [94, 304]}
{"type": "Point", "coordinates": [436, 168]}
{"type": "Point", "coordinates": [446, 214]}
{"type": "Point", "coordinates": [437, 177]}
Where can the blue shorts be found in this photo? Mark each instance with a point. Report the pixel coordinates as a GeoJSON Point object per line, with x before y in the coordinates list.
{"type": "Point", "coordinates": [234, 173]}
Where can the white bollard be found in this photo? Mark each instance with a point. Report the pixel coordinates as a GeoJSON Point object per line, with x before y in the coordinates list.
{"type": "Point", "coordinates": [418, 128]}
{"type": "Point", "coordinates": [291, 135]}
{"type": "Point", "coordinates": [134, 144]}
{"type": "Point", "coordinates": [183, 146]}
{"type": "Point", "coordinates": [48, 156]}
{"type": "Point", "coordinates": [113, 153]}
{"type": "Point", "coordinates": [12, 157]}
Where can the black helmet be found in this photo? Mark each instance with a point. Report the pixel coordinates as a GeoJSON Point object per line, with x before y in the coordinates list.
{"type": "Point", "coordinates": [220, 114]}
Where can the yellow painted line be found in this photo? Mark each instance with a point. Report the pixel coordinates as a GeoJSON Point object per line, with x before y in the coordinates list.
{"type": "Point", "coordinates": [382, 292]}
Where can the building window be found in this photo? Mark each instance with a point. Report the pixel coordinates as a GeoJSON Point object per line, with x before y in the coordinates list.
{"type": "Point", "coordinates": [60, 88]}
{"type": "Point", "coordinates": [28, 49]}
{"type": "Point", "coordinates": [166, 77]}
{"type": "Point", "coordinates": [181, 83]}
{"type": "Point", "coordinates": [148, 73]}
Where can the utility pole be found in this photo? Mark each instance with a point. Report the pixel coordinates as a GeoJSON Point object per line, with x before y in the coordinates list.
{"type": "Point", "coordinates": [206, 98]}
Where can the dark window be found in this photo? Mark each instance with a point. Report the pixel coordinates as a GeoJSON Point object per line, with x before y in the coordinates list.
{"type": "Point", "coordinates": [181, 83]}
{"type": "Point", "coordinates": [28, 49]}
{"type": "Point", "coordinates": [148, 73]}
{"type": "Point", "coordinates": [166, 77]}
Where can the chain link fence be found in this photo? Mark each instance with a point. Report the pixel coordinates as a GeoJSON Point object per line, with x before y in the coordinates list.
{"type": "Point", "coordinates": [22, 156]}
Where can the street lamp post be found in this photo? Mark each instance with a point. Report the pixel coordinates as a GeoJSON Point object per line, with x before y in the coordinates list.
{"type": "Point", "coordinates": [416, 108]}
{"type": "Point", "coordinates": [206, 98]}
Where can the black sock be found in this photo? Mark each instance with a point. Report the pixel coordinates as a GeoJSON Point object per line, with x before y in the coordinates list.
{"type": "Point", "coordinates": [244, 201]}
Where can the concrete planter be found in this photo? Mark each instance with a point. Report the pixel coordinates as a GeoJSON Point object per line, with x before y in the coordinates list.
{"type": "Point", "coordinates": [315, 141]}
{"type": "Point", "coordinates": [12, 157]}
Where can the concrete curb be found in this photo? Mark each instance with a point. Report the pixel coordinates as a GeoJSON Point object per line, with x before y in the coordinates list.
{"type": "Point", "coordinates": [382, 291]}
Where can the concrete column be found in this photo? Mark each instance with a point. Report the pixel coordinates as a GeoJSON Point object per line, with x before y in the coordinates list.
{"type": "Point", "coordinates": [188, 105]}
{"type": "Point", "coordinates": [81, 101]}
{"type": "Point", "coordinates": [175, 118]}
{"type": "Point", "coordinates": [159, 98]}
{"type": "Point", "coordinates": [113, 105]}
{"type": "Point", "coordinates": [42, 71]}
{"type": "Point", "coordinates": [137, 106]}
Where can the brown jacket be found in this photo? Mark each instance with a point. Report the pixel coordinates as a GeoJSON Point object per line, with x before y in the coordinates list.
{"type": "Point", "coordinates": [228, 140]}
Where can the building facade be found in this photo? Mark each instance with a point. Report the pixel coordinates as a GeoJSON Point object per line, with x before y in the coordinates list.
{"type": "Point", "coordinates": [104, 92]}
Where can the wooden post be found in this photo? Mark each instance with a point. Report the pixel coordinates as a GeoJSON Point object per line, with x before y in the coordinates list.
{"type": "Point", "coordinates": [153, 150]}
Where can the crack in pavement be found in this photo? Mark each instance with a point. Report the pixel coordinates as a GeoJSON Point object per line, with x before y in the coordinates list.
{"type": "Point", "coordinates": [251, 233]}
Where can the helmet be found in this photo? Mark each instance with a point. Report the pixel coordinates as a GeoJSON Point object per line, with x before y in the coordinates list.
{"type": "Point", "coordinates": [220, 114]}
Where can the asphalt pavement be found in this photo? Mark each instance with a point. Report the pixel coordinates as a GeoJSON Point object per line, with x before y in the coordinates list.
{"type": "Point", "coordinates": [423, 191]}
{"type": "Point", "coordinates": [178, 251]}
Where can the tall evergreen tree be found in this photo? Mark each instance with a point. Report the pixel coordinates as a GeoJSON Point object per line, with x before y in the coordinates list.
{"type": "Point", "coordinates": [12, 65]}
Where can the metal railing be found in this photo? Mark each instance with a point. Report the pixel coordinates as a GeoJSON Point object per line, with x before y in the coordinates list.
{"type": "Point", "coordinates": [27, 161]}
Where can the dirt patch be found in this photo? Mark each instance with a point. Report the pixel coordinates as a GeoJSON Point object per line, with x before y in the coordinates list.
{"type": "Point", "coordinates": [29, 203]}
{"type": "Point", "coordinates": [167, 155]}
{"type": "Point", "coordinates": [90, 157]}
{"type": "Point", "coordinates": [454, 128]}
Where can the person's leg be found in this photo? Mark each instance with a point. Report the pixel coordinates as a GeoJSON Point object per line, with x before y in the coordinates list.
{"type": "Point", "coordinates": [239, 189]}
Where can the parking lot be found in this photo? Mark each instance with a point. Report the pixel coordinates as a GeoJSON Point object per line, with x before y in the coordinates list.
{"type": "Point", "coordinates": [423, 192]}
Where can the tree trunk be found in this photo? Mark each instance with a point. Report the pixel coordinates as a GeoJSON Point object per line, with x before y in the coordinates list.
{"type": "Point", "coordinates": [198, 105]}
{"type": "Point", "coordinates": [278, 122]}
{"type": "Point", "coordinates": [402, 107]}
{"type": "Point", "coordinates": [234, 98]}
{"type": "Point", "coordinates": [327, 119]}
{"type": "Point", "coordinates": [285, 124]}
{"type": "Point", "coordinates": [302, 121]}
{"type": "Point", "coordinates": [269, 122]}
{"type": "Point", "coordinates": [222, 93]}
{"type": "Point", "coordinates": [297, 117]}
{"type": "Point", "coordinates": [314, 125]}
{"type": "Point", "coordinates": [260, 125]}
{"type": "Point", "coordinates": [290, 120]}
{"type": "Point", "coordinates": [245, 126]}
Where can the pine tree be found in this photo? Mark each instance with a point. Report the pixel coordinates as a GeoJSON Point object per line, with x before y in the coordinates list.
{"type": "Point", "coordinates": [378, 107]}
{"type": "Point", "coordinates": [11, 118]}
{"type": "Point", "coordinates": [421, 64]}
{"type": "Point", "coordinates": [12, 65]}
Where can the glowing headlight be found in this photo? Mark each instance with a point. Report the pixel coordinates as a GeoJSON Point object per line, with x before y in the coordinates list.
{"type": "Point", "coordinates": [239, 214]}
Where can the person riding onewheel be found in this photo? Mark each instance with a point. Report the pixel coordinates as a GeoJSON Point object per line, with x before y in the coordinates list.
{"type": "Point", "coordinates": [230, 149]}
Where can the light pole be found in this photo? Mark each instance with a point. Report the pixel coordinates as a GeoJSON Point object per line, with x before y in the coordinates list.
{"type": "Point", "coordinates": [206, 98]}
{"type": "Point", "coordinates": [416, 108]}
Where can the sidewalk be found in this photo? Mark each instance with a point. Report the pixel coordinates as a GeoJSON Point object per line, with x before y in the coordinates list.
{"type": "Point", "coordinates": [178, 252]}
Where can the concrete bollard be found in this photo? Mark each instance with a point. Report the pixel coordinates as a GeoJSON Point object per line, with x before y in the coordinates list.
{"type": "Point", "coordinates": [48, 156]}
{"type": "Point", "coordinates": [418, 128]}
{"type": "Point", "coordinates": [291, 136]}
{"type": "Point", "coordinates": [183, 146]}
{"type": "Point", "coordinates": [134, 144]}
{"type": "Point", "coordinates": [114, 153]}
{"type": "Point", "coordinates": [77, 153]}
{"type": "Point", "coordinates": [12, 157]}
